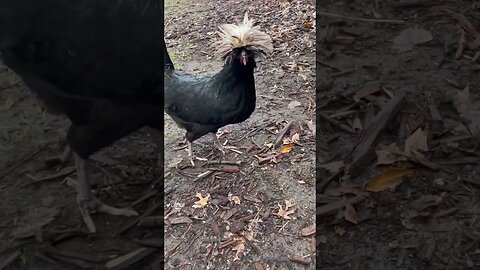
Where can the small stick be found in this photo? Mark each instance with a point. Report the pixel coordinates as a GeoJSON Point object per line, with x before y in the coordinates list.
{"type": "Point", "coordinates": [20, 162]}
{"type": "Point", "coordinates": [360, 19]}
{"type": "Point", "coordinates": [147, 213]}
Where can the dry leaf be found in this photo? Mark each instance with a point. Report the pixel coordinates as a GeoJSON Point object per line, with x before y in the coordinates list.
{"type": "Point", "coordinates": [425, 202]}
{"type": "Point", "coordinates": [239, 248]}
{"type": "Point", "coordinates": [416, 144]}
{"type": "Point", "coordinates": [410, 37]}
{"type": "Point", "coordinates": [388, 179]}
{"type": "Point", "coordinates": [311, 125]}
{"type": "Point", "coordinates": [295, 138]}
{"type": "Point", "coordinates": [286, 148]}
{"type": "Point", "coordinates": [463, 105]}
{"type": "Point", "coordinates": [339, 230]}
{"type": "Point", "coordinates": [322, 239]}
{"type": "Point", "coordinates": [333, 167]}
{"type": "Point", "coordinates": [307, 231]}
{"type": "Point", "coordinates": [350, 214]}
{"type": "Point", "coordinates": [367, 90]}
{"type": "Point", "coordinates": [284, 213]}
{"type": "Point", "coordinates": [385, 155]}
{"type": "Point", "coordinates": [289, 203]}
{"type": "Point", "coordinates": [234, 199]}
{"type": "Point", "coordinates": [294, 104]}
{"type": "Point", "coordinates": [202, 201]}
{"type": "Point", "coordinates": [308, 25]}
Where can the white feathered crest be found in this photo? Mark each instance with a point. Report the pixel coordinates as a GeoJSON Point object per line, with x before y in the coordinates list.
{"type": "Point", "coordinates": [243, 35]}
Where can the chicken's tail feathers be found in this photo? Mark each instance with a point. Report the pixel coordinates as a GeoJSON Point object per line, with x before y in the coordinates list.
{"type": "Point", "coordinates": [167, 62]}
{"type": "Point", "coordinates": [243, 35]}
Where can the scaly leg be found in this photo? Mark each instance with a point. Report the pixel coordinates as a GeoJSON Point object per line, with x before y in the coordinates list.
{"type": "Point", "coordinates": [87, 202]}
{"type": "Point", "coordinates": [191, 156]}
{"type": "Point", "coordinates": [60, 160]}
{"type": "Point", "coordinates": [218, 144]}
{"type": "Point", "coordinates": [190, 153]}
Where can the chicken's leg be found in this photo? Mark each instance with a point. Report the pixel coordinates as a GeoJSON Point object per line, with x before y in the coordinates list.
{"type": "Point", "coordinates": [60, 160]}
{"type": "Point", "coordinates": [190, 153]}
{"type": "Point", "coordinates": [191, 156]}
{"type": "Point", "coordinates": [218, 144]}
{"type": "Point", "coordinates": [87, 202]}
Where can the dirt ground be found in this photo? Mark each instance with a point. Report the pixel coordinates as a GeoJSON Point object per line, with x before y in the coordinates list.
{"type": "Point", "coordinates": [40, 225]}
{"type": "Point", "coordinates": [429, 220]}
{"type": "Point", "coordinates": [239, 227]}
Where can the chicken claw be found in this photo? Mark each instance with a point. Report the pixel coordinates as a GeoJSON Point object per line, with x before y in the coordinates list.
{"type": "Point", "coordinates": [218, 144]}
{"type": "Point", "coordinates": [97, 206]}
{"type": "Point", "coordinates": [191, 156]}
{"type": "Point", "coordinates": [87, 202]}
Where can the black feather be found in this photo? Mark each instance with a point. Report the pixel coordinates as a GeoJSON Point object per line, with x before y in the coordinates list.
{"type": "Point", "coordinates": [203, 105]}
{"type": "Point", "coordinates": [97, 61]}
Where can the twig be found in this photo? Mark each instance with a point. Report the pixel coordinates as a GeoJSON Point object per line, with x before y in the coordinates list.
{"type": "Point", "coordinates": [281, 134]}
{"type": "Point", "coordinates": [332, 207]}
{"type": "Point", "coordinates": [20, 162]}
{"type": "Point", "coordinates": [10, 259]}
{"type": "Point", "coordinates": [359, 19]}
{"type": "Point", "coordinates": [147, 213]}
{"type": "Point", "coordinates": [63, 173]}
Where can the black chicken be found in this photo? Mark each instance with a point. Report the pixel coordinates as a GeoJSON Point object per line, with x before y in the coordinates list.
{"type": "Point", "coordinates": [96, 61]}
{"type": "Point", "coordinates": [203, 105]}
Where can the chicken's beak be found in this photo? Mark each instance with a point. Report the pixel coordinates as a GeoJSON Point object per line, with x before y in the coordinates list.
{"type": "Point", "coordinates": [243, 58]}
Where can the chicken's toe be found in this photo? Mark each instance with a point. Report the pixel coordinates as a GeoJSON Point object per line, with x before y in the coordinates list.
{"type": "Point", "coordinates": [96, 206]}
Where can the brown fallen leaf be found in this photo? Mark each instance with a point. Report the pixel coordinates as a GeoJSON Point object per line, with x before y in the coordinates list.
{"type": "Point", "coordinates": [294, 104]}
{"type": "Point", "coordinates": [322, 239]}
{"type": "Point", "coordinates": [286, 148]}
{"type": "Point", "coordinates": [350, 214]}
{"type": "Point", "coordinates": [202, 201]}
{"type": "Point", "coordinates": [311, 125]}
{"type": "Point", "coordinates": [307, 231]}
{"type": "Point", "coordinates": [367, 90]}
{"type": "Point", "coordinates": [234, 198]}
{"type": "Point", "coordinates": [284, 213]}
{"type": "Point", "coordinates": [410, 37]}
{"type": "Point", "coordinates": [239, 248]}
{"type": "Point", "coordinates": [333, 166]}
{"type": "Point", "coordinates": [339, 230]}
{"type": "Point", "coordinates": [385, 155]}
{"type": "Point", "coordinates": [425, 202]}
{"type": "Point", "coordinates": [462, 103]}
{"type": "Point", "coordinates": [388, 179]}
{"type": "Point", "coordinates": [416, 144]}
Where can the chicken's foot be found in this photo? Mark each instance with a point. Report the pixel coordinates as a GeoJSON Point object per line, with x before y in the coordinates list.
{"type": "Point", "coordinates": [191, 156]}
{"type": "Point", "coordinates": [218, 144]}
{"type": "Point", "coordinates": [87, 202]}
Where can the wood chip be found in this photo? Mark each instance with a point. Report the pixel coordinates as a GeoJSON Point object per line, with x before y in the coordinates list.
{"type": "Point", "coordinates": [307, 231]}
{"type": "Point", "coordinates": [124, 261]}
{"type": "Point", "coordinates": [331, 208]}
{"type": "Point", "coordinates": [9, 259]}
{"type": "Point", "coordinates": [364, 152]}
{"type": "Point", "coordinates": [281, 134]}
{"type": "Point", "coordinates": [300, 260]}
{"type": "Point", "coordinates": [151, 242]}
